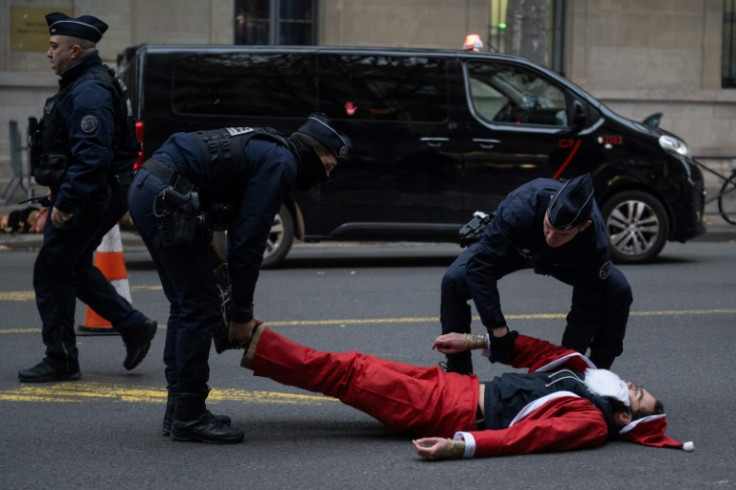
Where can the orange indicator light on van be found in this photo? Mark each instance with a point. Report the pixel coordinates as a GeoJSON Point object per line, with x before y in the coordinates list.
{"type": "Point", "coordinates": [473, 43]}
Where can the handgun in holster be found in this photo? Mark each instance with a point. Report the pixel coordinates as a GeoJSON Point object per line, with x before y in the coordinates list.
{"type": "Point", "coordinates": [177, 210]}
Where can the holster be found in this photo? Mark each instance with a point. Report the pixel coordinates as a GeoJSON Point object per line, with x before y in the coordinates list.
{"type": "Point", "coordinates": [471, 231]}
{"type": "Point", "coordinates": [176, 208]}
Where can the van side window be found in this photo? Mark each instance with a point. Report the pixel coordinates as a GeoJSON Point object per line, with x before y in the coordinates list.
{"type": "Point", "coordinates": [501, 93]}
{"type": "Point", "coordinates": [383, 88]}
{"type": "Point", "coordinates": [241, 84]}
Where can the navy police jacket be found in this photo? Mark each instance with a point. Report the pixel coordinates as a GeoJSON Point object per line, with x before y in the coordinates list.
{"type": "Point", "coordinates": [254, 179]}
{"type": "Point", "coordinates": [515, 240]}
{"type": "Point", "coordinates": [87, 116]}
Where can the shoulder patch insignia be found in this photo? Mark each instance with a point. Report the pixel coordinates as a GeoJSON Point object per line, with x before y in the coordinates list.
{"type": "Point", "coordinates": [89, 124]}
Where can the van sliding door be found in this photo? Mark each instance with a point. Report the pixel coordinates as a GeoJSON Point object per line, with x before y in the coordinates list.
{"type": "Point", "coordinates": [404, 168]}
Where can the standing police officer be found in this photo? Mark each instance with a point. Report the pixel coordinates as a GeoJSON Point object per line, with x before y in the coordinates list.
{"type": "Point", "coordinates": [84, 153]}
{"type": "Point", "coordinates": [556, 229]}
{"type": "Point", "coordinates": [230, 179]}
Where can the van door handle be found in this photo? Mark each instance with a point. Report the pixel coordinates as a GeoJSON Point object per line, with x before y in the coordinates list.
{"type": "Point", "coordinates": [435, 142]}
{"type": "Point", "coordinates": [486, 143]}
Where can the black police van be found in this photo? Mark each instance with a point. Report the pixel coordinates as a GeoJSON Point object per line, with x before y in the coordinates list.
{"type": "Point", "coordinates": [437, 134]}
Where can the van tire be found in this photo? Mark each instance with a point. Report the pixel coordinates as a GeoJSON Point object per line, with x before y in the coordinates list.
{"type": "Point", "coordinates": [278, 244]}
{"type": "Point", "coordinates": [279, 240]}
{"type": "Point", "coordinates": [637, 226]}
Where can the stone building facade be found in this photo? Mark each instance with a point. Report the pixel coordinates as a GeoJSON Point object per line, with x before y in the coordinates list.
{"type": "Point", "coordinates": [637, 57]}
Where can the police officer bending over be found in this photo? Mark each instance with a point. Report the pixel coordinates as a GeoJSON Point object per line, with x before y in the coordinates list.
{"type": "Point", "coordinates": [233, 179]}
{"type": "Point", "coordinates": [556, 229]}
{"type": "Point", "coordinates": [83, 151]}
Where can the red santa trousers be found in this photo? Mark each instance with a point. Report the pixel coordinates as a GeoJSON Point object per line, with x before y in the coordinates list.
{"type": "Point", "coordinates": [423, 401]}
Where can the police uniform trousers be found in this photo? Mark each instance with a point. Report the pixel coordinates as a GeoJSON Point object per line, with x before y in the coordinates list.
{"type": "Point", "coordinates": [187, 276]}
{"type": "Point", "coordinates": [601, 327]}
{"type": "Point", "coordinates": [64, 271]}
{"type": "Point", "coordinates": [405, 398]}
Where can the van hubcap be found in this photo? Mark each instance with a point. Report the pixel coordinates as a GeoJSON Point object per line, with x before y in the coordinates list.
{"type": "Point", "coordinates": [633, 227]}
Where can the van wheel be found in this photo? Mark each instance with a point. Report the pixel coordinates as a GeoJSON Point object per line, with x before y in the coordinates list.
{"type": "Point", "coordinates": [277, 246]}
{"type": "Point", "coordinates": [279, 240]}
{"type": "Point", "coordinates": [637, 226]}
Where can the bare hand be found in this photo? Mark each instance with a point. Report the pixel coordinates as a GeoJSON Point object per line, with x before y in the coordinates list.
{"type": "Point", "coordinates": [59, 217]}
{"type": "Point", "coordinates": [241, 333]}
{"type": "Point", "coordinates": [432, 447]}
{"type": "Point", "coordinates": [450, 343]}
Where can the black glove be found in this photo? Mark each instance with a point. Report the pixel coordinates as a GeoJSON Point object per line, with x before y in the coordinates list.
{"type": "Point", "coordinates": [502, 348]}
{"type": "Point", "coordinates": [222, 328]}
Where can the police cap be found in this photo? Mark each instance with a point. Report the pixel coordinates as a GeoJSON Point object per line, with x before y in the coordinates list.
{"type": "Point", "coordinates": [84, 27]}
{"type": "Point", "coordinates": [571, 206]}
{"type": "Point", "coordinates": [319, 127]}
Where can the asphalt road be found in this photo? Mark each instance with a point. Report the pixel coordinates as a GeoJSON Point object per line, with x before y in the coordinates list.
{"type": "Point", "coordinates": [103, 431]}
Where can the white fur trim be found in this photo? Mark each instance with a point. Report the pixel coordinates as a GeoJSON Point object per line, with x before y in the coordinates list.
{"type": "Point", "coordinates": [636, 422]}
{"type": "Point", "coordinates": [562, 360]}
{"type": "Point", "coordinates": [606, 383]}
{"type": "Point", "coordinates": [532, 406]}
{"type": "Point", "coordinates": [688, 446]}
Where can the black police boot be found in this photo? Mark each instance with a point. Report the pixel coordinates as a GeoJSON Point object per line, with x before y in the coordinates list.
{"type": "Point", "coordinates": [138, 342]}
{"type": "Point", "coordinates": [193, 422]}
{"type": "Point", "coordinates": [44, 371]}
{"type": "Point", "coordinates": [459, 363]}
{"type": "Point", "coordinates": [170, 407]}
{"type": "Point", "coordinates": [601, 361]}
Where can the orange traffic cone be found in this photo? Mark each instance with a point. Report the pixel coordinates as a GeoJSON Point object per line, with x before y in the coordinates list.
{"type": "Point", "coordinates": [109, 259]}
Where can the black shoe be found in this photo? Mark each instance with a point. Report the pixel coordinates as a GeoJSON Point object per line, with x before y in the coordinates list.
{"type": "Point", "coordinates": [166, 427]}
{"type": "Point", "coordinates": [44, 371]}
{"type": "Point", "coordinates": [137, 344]}
{"type": "Point", "coordinates": [169, 413]}
{"type": "Point", "coordinates": [458, 365]}
{"type": "Point", "coordinates": [205, 428]}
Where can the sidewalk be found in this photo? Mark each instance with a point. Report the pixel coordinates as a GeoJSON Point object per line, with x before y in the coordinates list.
{"type": "Point", "coordinates": [33, 241]}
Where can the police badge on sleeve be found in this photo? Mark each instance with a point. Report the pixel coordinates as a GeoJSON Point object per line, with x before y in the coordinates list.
{"type": "Point", "coordinates": [89, 124]}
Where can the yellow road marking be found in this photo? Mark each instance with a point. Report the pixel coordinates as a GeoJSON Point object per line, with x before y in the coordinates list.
{"type": "Point", "coordinates": [535, 316]}
{"type": "Point", "coordinates": [77, 392]}
{"type": "Point", "coordinates": [81, 391]}
{"type": "Point", "coordinates": [31, 295]}
{"type": "Point", "coordinates": [17, 296]}
{"type": "Point", "coordinates": [430, 319]}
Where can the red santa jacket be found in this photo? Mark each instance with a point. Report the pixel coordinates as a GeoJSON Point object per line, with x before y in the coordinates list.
{"type": "Point", "coordinates": [557, 422]}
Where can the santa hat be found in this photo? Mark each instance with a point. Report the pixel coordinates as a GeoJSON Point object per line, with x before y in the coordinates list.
{"type": "Point", "coordinates": [650, 430]}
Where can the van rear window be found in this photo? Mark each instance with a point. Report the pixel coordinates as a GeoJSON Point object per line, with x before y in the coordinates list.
{"type": "Point", "coordinates": [237, 84]}
{"type": "Point", "coordinates": [383, 88]}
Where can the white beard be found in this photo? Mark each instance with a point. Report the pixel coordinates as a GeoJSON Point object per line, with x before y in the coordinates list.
{"type": "Point", "coordinates": [605, 383]}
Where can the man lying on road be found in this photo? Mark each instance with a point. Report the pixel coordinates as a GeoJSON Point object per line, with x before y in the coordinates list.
{"type": "Point", "coordinates": [564, 402]}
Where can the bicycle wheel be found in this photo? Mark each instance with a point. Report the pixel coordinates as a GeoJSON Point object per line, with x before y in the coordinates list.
{"type": "Point", "coordinates": [727, 200]}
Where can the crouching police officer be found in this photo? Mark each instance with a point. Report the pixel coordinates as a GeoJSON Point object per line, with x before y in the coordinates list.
{"type": "Point", "coordinates": [230, 179]}
{"type": "Point", "coordinates": [83, 150]}
{"type": "Point", "coordinates": [556, 229]}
